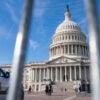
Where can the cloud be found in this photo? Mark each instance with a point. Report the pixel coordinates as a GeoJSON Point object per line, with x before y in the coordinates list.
{"type": "Point", "coordinates": [5, 33]}
{"type": "Point", "coordinates": [40, 7]}
{"type": "Point", "coordinates": [33, 44]}
{"type": "Point", "coordinates": [11, 11]}
{"type": "Point", "coordinates": [83, 21]}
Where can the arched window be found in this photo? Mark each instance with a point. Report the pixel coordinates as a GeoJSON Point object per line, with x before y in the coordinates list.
{"type": "Point", "coordinates": [66, 49]}
{"type": "Point", "coordinates": [72, 37]}
{"type": "Point", "coordinates": [60, 37]}
{"type": "Point", "coordinates": [75, 37]}
{"type": "Point", "coordinates": [63, 37]}
{"type": "Point", "coordinates": [66, 36]}
{"type": "Point", "coordinates": [73, 48]}
{"type": "Point", "coordinates": [69, 37]}
{"type": "Point", "coordinates": [78, 37]}
{"type": "Point", "coordinates": [69, 48]}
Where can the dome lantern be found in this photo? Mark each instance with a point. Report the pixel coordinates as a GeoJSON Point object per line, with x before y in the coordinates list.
{"type": "Point", "coordinates": [67, 14]}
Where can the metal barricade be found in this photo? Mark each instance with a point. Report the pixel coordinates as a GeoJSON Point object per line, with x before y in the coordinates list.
{"type": "Point", "coordinates": [21, 46]}
{"type": "Point", "coordinates": [94, 43]}
{"type": "Point", "coordinates": [14, 92]}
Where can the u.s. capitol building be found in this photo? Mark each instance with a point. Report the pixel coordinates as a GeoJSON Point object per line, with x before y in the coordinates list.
{"type": "Point", "coordinates": [68, 65]}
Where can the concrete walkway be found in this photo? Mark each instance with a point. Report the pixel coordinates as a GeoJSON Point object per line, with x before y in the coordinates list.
{"type": "Point", "coordinates": [54, 96]}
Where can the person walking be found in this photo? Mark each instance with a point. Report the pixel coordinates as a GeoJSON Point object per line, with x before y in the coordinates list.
{"type": "Point", "coordinates": [50, 89]}
{"type": "Point", "coordinates": [29, 90]}
{"type": "Point", "coordinates": [46, 89]}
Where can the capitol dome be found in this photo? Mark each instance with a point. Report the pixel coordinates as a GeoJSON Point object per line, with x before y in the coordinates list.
{"type": "Point", "coordinates": [68, 25]}
{"type": "Point", "coordinates": [68, 40]}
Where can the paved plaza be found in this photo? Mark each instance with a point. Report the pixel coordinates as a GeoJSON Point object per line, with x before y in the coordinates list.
{"type": "Point", "coordinates": [54, 96]}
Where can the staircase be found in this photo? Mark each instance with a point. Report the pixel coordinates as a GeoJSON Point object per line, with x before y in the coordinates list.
{"type": "Point", "coordinates": [64, 86]}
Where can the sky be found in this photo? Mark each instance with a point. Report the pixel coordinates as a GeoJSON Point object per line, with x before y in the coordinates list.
{"type": "Point", "coordinates": [47, 15]}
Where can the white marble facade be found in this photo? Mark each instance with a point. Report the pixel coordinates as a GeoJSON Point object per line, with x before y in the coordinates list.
{"type": "Point", "coordinates": [68, 61]}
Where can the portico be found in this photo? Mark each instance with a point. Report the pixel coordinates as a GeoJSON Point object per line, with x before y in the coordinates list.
{"type": "Point", "coordinates": [60, 73]}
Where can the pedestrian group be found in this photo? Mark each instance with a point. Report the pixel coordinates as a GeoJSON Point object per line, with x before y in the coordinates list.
{"type": "Point", "coordinates": [48, 89]}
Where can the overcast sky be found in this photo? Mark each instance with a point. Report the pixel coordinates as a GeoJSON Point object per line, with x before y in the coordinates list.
{"type": "Point", "coordinates": [47, 15]}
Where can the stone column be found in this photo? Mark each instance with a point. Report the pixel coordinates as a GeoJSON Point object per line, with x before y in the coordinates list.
{"type": "Point", "coordinates": [75, 49]}
{"type": "Point", "coordinates": [80, 72]}
{"type": "Point", "coordinates": [32, 74]}
{"type": "Point", "coordinates": [56, 75]}
{"type": "Point", "coordinates": [47, 73]}
{"type": "Point", "coordinates": [85, 50]}
{"type": "Point", "coordinates": [68, 49]}
{"type": "Point", "coordinates": [44, 73]}
{"type": "Point", "coordinates": [40, 75]}
{"type": "Point", "coordinates": [36, 75]}
{"type": "Point", "coordinates": [57, 50]}
{"type": "Point", "coordinates": [60, 74]}
{"type": "Point", "coordinates": [49, 52]}
{"type": "Point", "coordinates": [51, 74]}
{"type": "Point", "coordinates": [65, 74]}
{"type": "Point", "coordinates": [80, 50]}
{"type": "Point", "coordinates": [70, 73]}
{"type": "Point", "coordinates": [64, 49]}
{"type": "Point", "coordinates": [71, 49]}
{"type": "Point", "coordinates": [85, 73]}
{"type": "Point", "coordinates": [53, 52]}
{"type": "Point", "coordinates": [89, 72]}
{"type": "Point", "coordinates": [75, 72]}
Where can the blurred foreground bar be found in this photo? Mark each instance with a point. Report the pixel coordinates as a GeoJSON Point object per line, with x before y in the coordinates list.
{"type": "Point", "coordinates": [15, 90]}
{"type": "Point", "coordinates": [94, 43]}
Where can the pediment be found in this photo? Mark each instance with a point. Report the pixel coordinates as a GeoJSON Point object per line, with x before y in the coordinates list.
{"type": "Point", "coordinates": [62, 60]}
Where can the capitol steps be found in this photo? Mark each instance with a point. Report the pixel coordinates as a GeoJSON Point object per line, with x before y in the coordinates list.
{"type": "Point", "coordinates": [63, 86]}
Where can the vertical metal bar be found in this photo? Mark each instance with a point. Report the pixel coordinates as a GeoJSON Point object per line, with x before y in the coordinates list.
{"type": "Point", "coordinates": [20, 53]}
{"type": "Point", "coordinates": [94, 43]}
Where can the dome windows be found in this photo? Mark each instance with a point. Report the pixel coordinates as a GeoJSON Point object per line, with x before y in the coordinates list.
{"type": "Point", "coordinates": [72, 37]}
{"type": "Point", "coordinates": [69, 37]}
